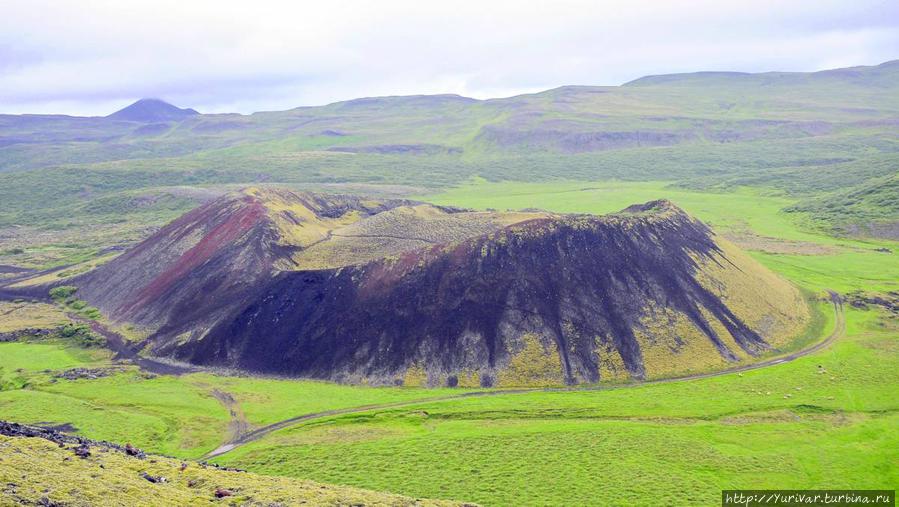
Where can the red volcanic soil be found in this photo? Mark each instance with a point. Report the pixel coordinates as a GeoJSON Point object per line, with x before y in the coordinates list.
{"type": "Point", "coordinates": [237, 224]}
{"type": "Point", "coordinates": [196, 267]}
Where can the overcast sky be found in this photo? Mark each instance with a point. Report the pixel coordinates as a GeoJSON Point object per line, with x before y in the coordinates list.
{"type": "Point", "coordinates": [92, 57]}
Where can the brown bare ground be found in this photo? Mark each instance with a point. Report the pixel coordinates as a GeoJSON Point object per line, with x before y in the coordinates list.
{"type": "Point", "coordinates": [749, 241]}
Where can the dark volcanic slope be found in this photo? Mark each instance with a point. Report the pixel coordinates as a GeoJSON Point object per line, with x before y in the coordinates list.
{"type": "Point", "coordinates": [523, 299]}
{"type": "Point", "coordinates": [202, 266]}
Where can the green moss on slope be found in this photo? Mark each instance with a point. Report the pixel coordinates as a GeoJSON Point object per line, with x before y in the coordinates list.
{"type": "Point", "coordinates": [34, 470]}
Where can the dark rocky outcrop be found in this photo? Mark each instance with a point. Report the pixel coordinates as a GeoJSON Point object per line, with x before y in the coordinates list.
{"type": "Point", "coordinates": [18, 334]}
{"type": "Point", "coordinates": [82, 445]}
{"type": "Point", "coordinates": [889, 301]}
{"type": "Point", "coordinates": [86, 373]}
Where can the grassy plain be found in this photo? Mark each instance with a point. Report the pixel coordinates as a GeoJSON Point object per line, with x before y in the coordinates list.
{"type": "Point", "coordinates": [176, 416]}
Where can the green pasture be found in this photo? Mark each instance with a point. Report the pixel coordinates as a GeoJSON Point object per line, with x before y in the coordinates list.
{"type": "Point", "coordinates": [172, 415]}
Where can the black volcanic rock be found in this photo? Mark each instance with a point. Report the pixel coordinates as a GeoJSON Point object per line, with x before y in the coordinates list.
{"type": "Point", "coordinates": [359, 291]}
{"type": "Point", "coordinates": [152, 110]}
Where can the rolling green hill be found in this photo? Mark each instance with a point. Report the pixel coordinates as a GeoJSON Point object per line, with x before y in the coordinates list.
{"type": "Point", "coordinates": [822, 139]}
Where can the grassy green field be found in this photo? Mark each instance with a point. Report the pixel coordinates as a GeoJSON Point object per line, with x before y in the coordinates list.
{"type": "Point", "coordinates": [24, 363]}
{"type": "Point", "coordinates": [177, 416]}
{"type": "Point", "coordinates": [266, 401]}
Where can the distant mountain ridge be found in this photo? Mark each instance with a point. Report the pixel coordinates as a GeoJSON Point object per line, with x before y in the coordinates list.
{"type": "Point", "coordinates": [150, 110]}
{"type": "Point", "coordinates": [154, 109]}
{"type": "Point", "coordinates": [871, 73]}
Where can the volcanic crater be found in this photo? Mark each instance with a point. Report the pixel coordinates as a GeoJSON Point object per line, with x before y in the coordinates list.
{"type": "Point", "coordinates": [401, 292]}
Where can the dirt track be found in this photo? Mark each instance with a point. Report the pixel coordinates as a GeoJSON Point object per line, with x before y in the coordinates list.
{"type": "Point", "coordinates": [239, 424]}
{"type": "Point", "coordinates": [251, 436]}
{"type": "Point", "coordinates": [123, 350]}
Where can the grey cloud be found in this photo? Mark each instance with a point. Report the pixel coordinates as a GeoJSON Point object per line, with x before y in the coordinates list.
{"type": "Point", "coordinates": [218, 56]}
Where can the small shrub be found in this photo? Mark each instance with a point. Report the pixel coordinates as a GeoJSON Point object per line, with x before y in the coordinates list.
{"type": "Point", "coordinates": [81, 335]}
{"type": "Point", "coordinates": [91, 312]}
{"type": "Point", "coordinates": [63, 292]}
{"type": "Point", "coordinates": [72, 329]}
